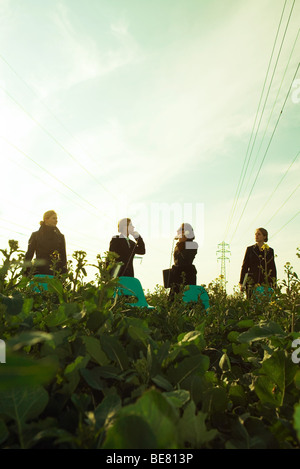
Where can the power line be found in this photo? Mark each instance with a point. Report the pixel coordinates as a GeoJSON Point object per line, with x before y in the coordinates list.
{"type": "Point", "coordinates": [61, 182]}
{"type": "Point", "coordinates": [272, 194]}
{"type": "Point", "coordinates": [283, 204]}
{"type": "Point", "coordinates": [244, 171]}
{"type": "Point", "coordinates": [275, 234]}
{"type": "Point", "coordinates": [48, 109]}
{"type": "Point", "coordinates": [52, 175]}
{"type": "Point", "coordinates": [272, 110]}
{"type": "Point", "coordinates": [52, 187]}
{"type": "Point", "coordinates": [54, 139]}
{"type": "Point", "coordinates": [8, 229]}
{"type": "Point", "coordinates": [280, 114]}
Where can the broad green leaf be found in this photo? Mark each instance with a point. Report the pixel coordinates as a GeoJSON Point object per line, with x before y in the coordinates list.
{"type": "Point", "coordinates": [55, 286]}
{"type": "Point", "coordinates": [192, 428]}
{"type": "Point", "coordinates": [62, 314]}
{"type": "Point", "coordinates": [177, 373]}
{"type": "Point", "coordinates": [195, 337]}
{"type": "Point", "coordinates": [233, 336]}
{"type": "Point", "coordinates": [265, 390]}
{"type": "Point", "coordinates": [72, 374]}
{"type": "Point", "coordinates": [244, 323]}
{"type": "Point", "coordinates": [224, 362]}
{"type": "Point", "coordinates": [261, 437]}
{"type": "Point", "coordinates": [107, 410]}
{"type": "Point", "coordinates": [238, 435]}
{"type": "Point", "coordinates": [163, 351]}
{"type": "Point", "coordinates": [215, 400]}
{"type": "Point", "coordinates": [59, 435]}
{"type": "Point", "coordinates": [136, 333]}
{"type": "Point", "coordinates": [77, 364]}
{"type": "Point", "coordinates": [242, 349]}
{"type": "Point", "coordinates": [297, 420]}
{"type": "Point", "coordinates": [130, 432]}
{"type": "Point", "coordinates": [57, 318]}
{"type": "Point", "coordinates": [13, 303]}
{"type": "Point", "coordinates": [237, 394]}
{"type": "Point", "coordinates": [94, 349]}
{"type": "Point", "coordinates": [136, 323]}
{"type": "Point", "coordinates": [28, 338]}
{"type": "Point", "coordinates": [297, 379]}
{"type": "Point", "coordinates": [110, 372]}
{"type": "Point", "coordinates": [275, 374]}
{"type": "Point", "coordinates": [93, 378]}
{"type": "Point", "coordinates": [58, 345]}
{"type": "Point", "coordinates": [27, 305]}
{"type": "Point", "coordinates": [21, 371]}
{"type": "Point", "coordinates": [114, 350]}
{"type": "Point", "coordinates": [4, 433]}
{"type": "Point", "coordinates": [22, 405]}
{"type": "Point", "coordinates": [178, 398]}
{"type": "Point", "coordinates": [159, 414]}
{"type": "Point", "coordinates": [261, 331]}
{"type": "Point", "coordinates": [81, 401]}
{"type": "Point", "coordinates": [162, 382]}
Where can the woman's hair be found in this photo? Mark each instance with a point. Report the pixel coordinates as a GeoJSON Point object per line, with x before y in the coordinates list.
{"type": "Point", "coordinates": [47, 215]}
{"type": "Point", "coordinates": [123, 224]}
{"type": "Point", "coordinates": [187, 230]}
{"type": "Point", "coordinates": [264, 233]}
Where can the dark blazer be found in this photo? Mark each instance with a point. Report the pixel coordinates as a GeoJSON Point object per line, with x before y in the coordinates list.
{"type": "Point", "coordinates": [184, 255]}
{"type": "Point", "coordinates": [260, 265]}
{"type": "Point", "coordinates": [126, 249]}
{"type": "Point", "coordinates": [43, 243]}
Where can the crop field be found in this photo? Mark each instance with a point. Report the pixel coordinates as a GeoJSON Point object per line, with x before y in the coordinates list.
{"type": "Point", "coordinates": [83, 370]}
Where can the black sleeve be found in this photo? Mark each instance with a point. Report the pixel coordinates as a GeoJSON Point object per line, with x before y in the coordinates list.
{"type": "Point", "coordinates": [245, 266]}
{"type": "Point", "coordinates": [64, 255]}
{"type": "Point", "coordinates": [31, 247]}
{"type": "Point", "coordinates": [272, 266]}
{"type": "Point", "coordinates": [140, 246]}
{"type": "Point", "coordinates": [30, 253]}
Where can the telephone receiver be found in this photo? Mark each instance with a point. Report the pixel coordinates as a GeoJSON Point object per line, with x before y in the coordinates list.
{"type": "Point", "coordinates": [186, 234]}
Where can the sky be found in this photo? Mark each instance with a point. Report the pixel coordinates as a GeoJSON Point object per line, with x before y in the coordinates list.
{"type": "Point", "coordinates": [165, 112]}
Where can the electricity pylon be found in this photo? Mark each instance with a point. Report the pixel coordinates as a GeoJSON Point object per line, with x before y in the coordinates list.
{"type": "Point", "coordinates": [222, 251]}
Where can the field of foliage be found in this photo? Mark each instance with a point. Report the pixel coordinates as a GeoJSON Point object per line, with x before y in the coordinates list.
{"type": "Point", "coordinates": [86, 371]}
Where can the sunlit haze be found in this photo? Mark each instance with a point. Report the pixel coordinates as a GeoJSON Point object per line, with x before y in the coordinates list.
{"type": "Point", "coordinates": [163, 111]}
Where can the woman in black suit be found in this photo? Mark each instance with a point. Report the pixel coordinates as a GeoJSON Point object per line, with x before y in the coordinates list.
{"type": "Point", "coordinates": [48, 244]}
{"type": "Point", "coordinates": [183, 271]}
{"type": "Point", "coordinates": [258, 264]}
{"type": "Point", "coordinates": [125, 247]}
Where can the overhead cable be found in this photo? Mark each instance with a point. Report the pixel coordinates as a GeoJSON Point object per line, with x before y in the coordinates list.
{"type": "Point", "coordinates": [51, 136]}
{"type": "Point", "coordinates": [265, 154]}
{"type": "Point", "coordinates": [248, 157]}
{"type": "Point", "coordinates": [275, 234]}
{"type": "Point", "coordinates": [52, 175]}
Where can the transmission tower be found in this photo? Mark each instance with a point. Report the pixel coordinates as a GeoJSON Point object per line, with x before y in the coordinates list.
{"type": "Point", "coordinates": [223, 249]}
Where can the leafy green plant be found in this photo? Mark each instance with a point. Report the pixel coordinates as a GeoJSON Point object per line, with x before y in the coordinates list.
{"type": "Point", "coordinates": [85, 370]}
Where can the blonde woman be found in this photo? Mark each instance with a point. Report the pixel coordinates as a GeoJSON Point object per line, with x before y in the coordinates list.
{"type": "Point", "coordinates": [258, 264]}
{"type": "Point", "coordinates": [46, 244]}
